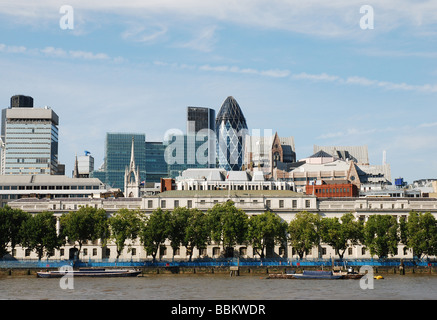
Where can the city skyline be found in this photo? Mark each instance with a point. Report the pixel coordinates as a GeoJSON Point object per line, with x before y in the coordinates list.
{"type": "Point", "coordinates": [306, 71]}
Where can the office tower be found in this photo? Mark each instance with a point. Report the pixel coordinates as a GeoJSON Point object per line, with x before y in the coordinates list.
{"type": "Point", "coordinates": [118, 148]}
{"type": "Point", "coordinates": [231, 130]}
{"type": "Point", "coordinates": [184, 151]}
{"type": "Point", "coordinates": [30, 138]}
{"type": "Point", "coordinates": [156, 167]}
{"type": "Point", "coordinates": [199, 118]}
{"type": "Point", "coordinates": [83, 166]}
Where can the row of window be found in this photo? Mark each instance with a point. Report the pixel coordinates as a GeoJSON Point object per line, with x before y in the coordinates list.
{"type": "Point", "coordinates": [216, 251]}
{"type": "Point", "coordinates": [36, 187]}
{"type": "Point", "coordinates": [176, 203]}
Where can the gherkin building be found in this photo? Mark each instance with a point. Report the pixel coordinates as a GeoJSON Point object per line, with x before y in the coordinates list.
{"type": "Point", "coordinates": [231, 130]}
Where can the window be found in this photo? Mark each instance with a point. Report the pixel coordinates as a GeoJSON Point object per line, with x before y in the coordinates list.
{"type": "Point", "coordinates": [349, 251]}
{"type": "Point", "coordinates": [150, 204]}
{"type": "Point", "coordinates": [215, 251]}
{"type": "Point", "coordinates": [176, 203]}
{"type": "Point", "coordinates": [163, 204]}
{"type": "Point", "coordinates": [363, 251]}
{"type": "Point", "coordinates": [189, 203]}
{"type": "Point", "coordinates": [268, 203]}
{"type": "Point", "coordinates": [294, 203]}
{"type": "Point", "coordinates": [162, 251]}
{"type": "Point", "coordinates": [134, 251]}
{"type": "Point", "coordinates": [307, 203]}
{"type": "Point", "coordinates": [243, 251]}
{"type": "Point", "coordinates": [281, 203]}
{"type": "Point", "coordinates": [94, 251]}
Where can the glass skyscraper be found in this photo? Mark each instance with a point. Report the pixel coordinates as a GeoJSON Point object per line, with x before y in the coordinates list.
{"type": "Point", "coordinates": [30, 138]}
{"type": "Point", "coordinates": [156, 167]}
{"type": "Point", "coordinates": [231, 130]}
{"type": "Point", "coordinates": [118, 148]}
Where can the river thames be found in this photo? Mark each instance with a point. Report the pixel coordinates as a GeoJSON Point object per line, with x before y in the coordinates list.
{"type": "Point", "coordinates": [217, 287]}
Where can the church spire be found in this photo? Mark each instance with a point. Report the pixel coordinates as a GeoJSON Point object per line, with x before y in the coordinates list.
{"type": "Point", "coordinates": [76, 168]}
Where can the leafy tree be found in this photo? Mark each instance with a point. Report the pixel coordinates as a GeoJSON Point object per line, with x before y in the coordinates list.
{"type": "Point", "coordinates": [177, 227]}
{"type": "Point", "coordinates": [196, 232]}
{"type": "Point", "coordinates": [124, 225]}
{"type": "Point", "coordinates": [265, 230]}
{"type": "Point", "coordinates": [381, 235]}
{"type": "Point", "coordinates": [39, 234]}
{"type": "Point", "coordinates": [11, 221]}
{"type": "Point", "coordinates": [341, 233]}
{"type": "Point", "coordinates": [85, 224]}
{"type": "Point", "coordinates": [303, 232]}
{"type": "Point", "coordinates": [228, 225]}
{"type": "Point", "coordinates": [154, 231]}
{"type": "Point", "coordinates": [421, 233]}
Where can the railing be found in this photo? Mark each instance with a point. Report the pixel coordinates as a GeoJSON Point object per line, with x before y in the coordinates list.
{"type": "Point", "coordinates": [221, 262]}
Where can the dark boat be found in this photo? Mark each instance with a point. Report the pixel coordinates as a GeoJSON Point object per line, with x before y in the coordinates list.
{"type": "Point", "coordinates": [89, 273]}
{"type": "Point", "coordinates": [323, 275]}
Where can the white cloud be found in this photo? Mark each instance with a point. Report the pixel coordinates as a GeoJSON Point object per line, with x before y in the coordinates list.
{"type": "Point", "coordinates": [140, 33]}
{"type": "Point", "coordinates": [203, 41]}
{"type": "Point", "coordinates": [317, 17]}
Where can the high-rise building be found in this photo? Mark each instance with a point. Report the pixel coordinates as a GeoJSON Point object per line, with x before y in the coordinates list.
{"type": "Point", "coordinates": [83, 166]}
{"type": "Point", "coordinates": [29, 137]}
{"type": "Point", "coordinates": [118, 148]}
{"type": "Point", "coordinates": [199, 118]}
{"type": "Point", "coordinates": [231, 130]}
{"type": "Point", "coordinates": [156, 167]}
{"type": "Point", "coordinates": [184, 151]}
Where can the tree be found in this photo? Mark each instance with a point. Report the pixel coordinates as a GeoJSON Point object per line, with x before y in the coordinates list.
{"type": "Point", "coordinates": [196, 232]}
{"type": "Point", "coordinates": [124, 225]}
{"type": "Point", "coordinates": [381, 235]}
{"type": "Point", "coordinates": [39, 234]}
{"type": "Point", "coordinates": [421, 233]}
{"type": "Point", "coordinates": [341, 233]}
{"type": "Point", "coordinates": [228, 225]}
{"type": "Point", "coordinates": [177, 227]}
{"type": "Point", "coordinates": [11, 221]}
{"type": "Point", "coordinates": [265, 230]}
{"type": "Point", "coordinates": [154, 231]}
{"type": "Point", "coordinates": [85, 224]}
{"type": "Point", "coordinates": [303, 233]}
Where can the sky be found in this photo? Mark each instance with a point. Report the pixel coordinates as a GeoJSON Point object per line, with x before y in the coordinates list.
{"type": "Point", "coordinates": [339, 72]}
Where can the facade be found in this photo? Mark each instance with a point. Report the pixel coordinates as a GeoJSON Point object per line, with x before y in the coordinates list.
{"type": "Point", "coordinates": [220, 179]}
{"type": "Point", "coordinates": [13, 187]}
{"type": "Point", "coordinates": [332, 189]}
{"type": "Point", "coordinates": [285, 203]}
{"type": "Point", "coordinates": [30, 139]}
{"type": "Point", "coordinates": [117, 157]}
{"type": "Point", "coordinates": [269, 152]}
{"type": "Point", "coordinates": [231, 131]}
{"type": "Point", "coordinates": [324, 166]}
{"type": "Point", "coordinates": [199, 118]}
{"type": "Point", "coordinates": [83, 166]}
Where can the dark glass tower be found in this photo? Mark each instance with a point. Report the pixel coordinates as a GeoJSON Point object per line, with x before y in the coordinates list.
{"type": "Point", "coordinates": [231, 130]}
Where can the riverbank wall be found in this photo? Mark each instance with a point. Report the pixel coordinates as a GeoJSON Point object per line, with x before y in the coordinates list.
{"type": "Point", "coordinates": [236, 271]}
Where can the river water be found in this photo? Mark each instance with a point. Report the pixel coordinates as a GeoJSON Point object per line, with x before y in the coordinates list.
{"type": "Point", "coordinates": [217, 287]}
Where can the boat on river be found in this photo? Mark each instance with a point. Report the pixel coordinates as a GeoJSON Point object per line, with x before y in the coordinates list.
{"type": "Point", "coordinates": [322, 275]}
{"type": "Point", "coordinates": [89, 272]}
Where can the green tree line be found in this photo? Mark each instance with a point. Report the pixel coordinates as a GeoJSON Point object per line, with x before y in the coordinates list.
{"type": "Point", "coordinates": [223, 224]}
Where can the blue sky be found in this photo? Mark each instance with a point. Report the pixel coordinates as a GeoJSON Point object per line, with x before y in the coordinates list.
{"type": "Point", "coordinates": [301, 68]}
